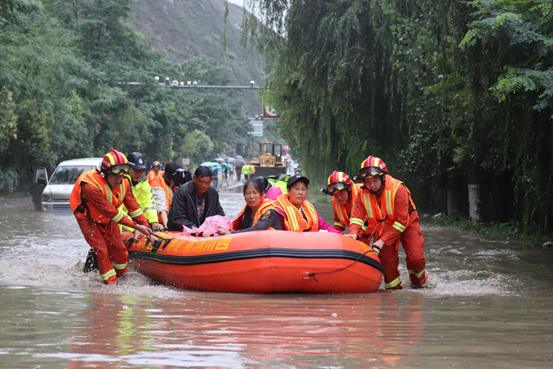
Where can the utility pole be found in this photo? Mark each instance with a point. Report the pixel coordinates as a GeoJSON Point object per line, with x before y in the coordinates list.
{"type": "Point", "coordinates": [192, 84]}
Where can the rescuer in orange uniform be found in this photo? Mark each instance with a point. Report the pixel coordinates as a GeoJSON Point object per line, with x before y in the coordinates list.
{"type": "Point", "coordinates": [165, 186]}
{"type": "Point", "coordinates": [96, 202]}
{"type": "Point", "coordinates": [387, 205]}
{"type": "Point", "coordinates": [344, 194]}
{"type": "Point", "coordinates": [153, 174]}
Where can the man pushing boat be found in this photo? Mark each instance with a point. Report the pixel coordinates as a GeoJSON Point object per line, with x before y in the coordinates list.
{"type": "Point", "coordinates": [386, 204]}
{"type": "Point", "coordinates": [96, 202]}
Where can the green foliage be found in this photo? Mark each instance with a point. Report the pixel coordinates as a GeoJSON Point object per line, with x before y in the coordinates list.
{"type": "Point", "coordinates": [63, 99]}
{"type": "Point", "coordinates": [188, 29]}
{"type": "Point", "coordinates": [443, 91]}
{"type": "Point", "coordinates": [512, 230]}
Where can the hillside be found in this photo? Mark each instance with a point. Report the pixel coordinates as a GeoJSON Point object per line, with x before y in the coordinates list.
{"type": "Point", "coordinates": [186, 29]}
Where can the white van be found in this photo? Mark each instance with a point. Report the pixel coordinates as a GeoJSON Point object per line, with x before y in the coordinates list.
{"type": "Point", "coordinates": [53, 194]}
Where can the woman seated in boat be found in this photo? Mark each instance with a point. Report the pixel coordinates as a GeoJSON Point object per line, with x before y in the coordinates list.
{"type": "Point", "coordinates": [258, 214]}
{"type": "Point", "coordinates": [296, 213]}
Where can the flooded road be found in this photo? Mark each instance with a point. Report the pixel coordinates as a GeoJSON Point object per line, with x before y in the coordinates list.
{"type": "Point", "coordinates": [491, 307]}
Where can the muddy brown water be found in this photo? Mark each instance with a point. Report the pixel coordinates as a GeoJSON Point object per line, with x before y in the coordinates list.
{"type": "Point", "coordinates": [491, 307]}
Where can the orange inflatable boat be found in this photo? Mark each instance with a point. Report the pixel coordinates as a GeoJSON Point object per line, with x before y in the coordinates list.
{"type": "Point", "coordinates": [260, 262]}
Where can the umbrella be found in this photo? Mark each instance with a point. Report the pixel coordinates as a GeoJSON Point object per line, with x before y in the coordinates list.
{"type": "Point", "coordinates": [209, 164]}
{"type": "Point", "coordinates": [239, 163]}
{"type": "Point", "coordinates": [219, 159]}
{"type": "Point", "coordinates": [225, 165]}
{"type": "Point", "coordinates": [239, 157]}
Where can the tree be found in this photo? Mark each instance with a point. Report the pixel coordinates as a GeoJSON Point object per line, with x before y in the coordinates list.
{"type": "Point", "coordinates": [454, 96]}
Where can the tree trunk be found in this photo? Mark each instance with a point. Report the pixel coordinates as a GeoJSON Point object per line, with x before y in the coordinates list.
{"type": "Point", "coordinates": [453, 203]}
{"type": "Point", "coordinates": [474, 203]}
{"type": "Point", "coordinates": [474, 194]}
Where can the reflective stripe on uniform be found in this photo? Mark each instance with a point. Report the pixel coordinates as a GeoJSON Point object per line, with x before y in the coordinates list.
{"type": "Point", "coordinates": [292, 217]}
{"type": "Point", "coordinates": [400, 227]}
{"type": "Point", "coordinates": [311, 210]}
{"type": "Point", "coordinates": [343, 217]}
{"type": "Point", "coordinates": [119, 216]}
{"type": "Point", "coordinates": [418, 275]}
{"type": "Point", "coordinates": [389, 207]}
{"type": "Point", "coordinates": [109, 194]}
{"type": "Point", "coordinates": [357, 221]}
{"type": "Point", "coordinates": [136, 213]}
{"type": "Point", "coordinates": [119, 266]}
{"type": "Point", "coordinates": [368, 208]}
{"type": "Point", "coordinates": [108, 274]}
{"type": "Point", "coordinates": [393, 283]}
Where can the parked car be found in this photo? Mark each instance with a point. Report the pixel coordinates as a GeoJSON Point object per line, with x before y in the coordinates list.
{"type": "Point", "coordinates": [53, 194]}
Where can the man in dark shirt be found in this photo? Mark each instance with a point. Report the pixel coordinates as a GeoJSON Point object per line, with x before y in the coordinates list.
{"type": "Point", "coordinates": [194, 202]}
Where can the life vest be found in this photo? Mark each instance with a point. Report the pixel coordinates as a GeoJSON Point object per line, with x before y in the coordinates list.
{"type": "Point", "coordinates": [114, 196]}
{"type": "Point", "coordinates": [143, 194]}
{"type": "Point", "coordinates": [380, 213]}
{"type": "Point", "coordinates": [153, 176]}
{"type": "Point", "coordinates": [160, 182]}
{"type": "Point", "coordinates": [293, 219]}
{"type": "Point", "coordinates": [237, 223]}
{"type": "Point", "coordinates": [341, 210]}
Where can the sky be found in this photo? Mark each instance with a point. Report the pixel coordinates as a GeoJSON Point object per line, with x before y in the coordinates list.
{"type": "Point", "coordinates": [237, 2]}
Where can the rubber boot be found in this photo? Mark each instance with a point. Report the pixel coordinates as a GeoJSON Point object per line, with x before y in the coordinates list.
{"type": "Point", "coordinates": [122, 273]}
{"type": "Point", "coordinates": [112, 280]}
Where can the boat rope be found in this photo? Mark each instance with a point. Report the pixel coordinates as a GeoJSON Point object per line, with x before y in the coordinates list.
{"type": "Point", "coordinates": [157, 243]}
{"type": "Point", "coordinates": [334, 271]}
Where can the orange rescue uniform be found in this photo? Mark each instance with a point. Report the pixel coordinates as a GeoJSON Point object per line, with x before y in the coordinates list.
{"type": "Point", "coordinates": [152, 176]}
{"type": "Point", "coordinates": [96, 206]}
{"type": "Point", "coordinates": [160, 182]}
{"type": "Point", "coordinates": [393, 217]}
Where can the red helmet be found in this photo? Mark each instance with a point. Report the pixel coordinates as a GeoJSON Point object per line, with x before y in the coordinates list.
{"type": "Point", "coordinates": [372, 167]}
{"type": "Point", "coordinates": [114, 161]}
{"type": "Point", "coordinates": [338, 181]}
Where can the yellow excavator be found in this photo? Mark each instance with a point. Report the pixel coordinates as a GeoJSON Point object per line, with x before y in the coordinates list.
{"type": "Point", "coordinates": [267, 159]}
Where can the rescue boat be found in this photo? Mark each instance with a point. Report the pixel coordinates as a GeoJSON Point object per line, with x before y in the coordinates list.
{"type": "Point", "coordinates": [259, 262]}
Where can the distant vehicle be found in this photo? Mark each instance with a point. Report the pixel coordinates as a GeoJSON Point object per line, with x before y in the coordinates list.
{"type": "Point", "coordinates": [53, 194]}
{"type": "Point", "coordinates": [267, 159]}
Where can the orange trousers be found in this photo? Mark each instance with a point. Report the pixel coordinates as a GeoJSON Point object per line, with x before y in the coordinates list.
{"type": "Point", "coordinates": [105, 240]}
{"type": "Point", "coordinates": [413, 242]}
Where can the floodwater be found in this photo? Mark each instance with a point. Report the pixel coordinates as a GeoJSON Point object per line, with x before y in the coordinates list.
{"type": "Point", "coordinates": [490, 307]}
